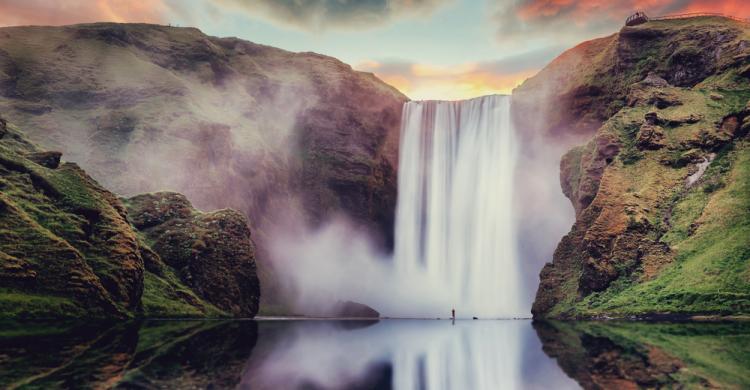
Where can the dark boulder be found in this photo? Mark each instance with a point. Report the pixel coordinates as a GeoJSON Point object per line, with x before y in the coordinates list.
{"type": "Point", "coordinates": [349, 309]}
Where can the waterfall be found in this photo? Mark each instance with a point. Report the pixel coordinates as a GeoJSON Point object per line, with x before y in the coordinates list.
{"type": "Point", "coordinates": [454, 220]}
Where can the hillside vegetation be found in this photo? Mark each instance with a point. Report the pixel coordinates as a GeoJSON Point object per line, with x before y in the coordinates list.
{"type": "Point", "coordinates": [661, 191]}
{"type": "Point", "coordinates": [288, 139]}
{"type": "Point", "coordinates": [68, 248]}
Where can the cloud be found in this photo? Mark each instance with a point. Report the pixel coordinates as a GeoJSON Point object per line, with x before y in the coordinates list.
{"type": "Point", "coordinates": [569, 21]}
{"type": "Point", "coordinates": [471, 79]}
{"type": "Point", "coordinates": [42, 12]}
{"type": "Point", "coordinates": [319, 15]}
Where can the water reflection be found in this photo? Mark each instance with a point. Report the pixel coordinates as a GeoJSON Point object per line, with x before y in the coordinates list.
{"type": "Point", "coordinates": [627, 355]}
{"type": "Point", "coordinates": [400, 354]}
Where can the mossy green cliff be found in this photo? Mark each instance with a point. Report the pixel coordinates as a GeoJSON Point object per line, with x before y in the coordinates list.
{"type": "Point", "coordinates": [662, 189]}
{"type": "Point", "coordinates": [68, 249]}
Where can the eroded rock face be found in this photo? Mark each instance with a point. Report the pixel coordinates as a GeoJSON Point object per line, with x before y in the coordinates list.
{"type": "Point", "coordinates": [279, 136]}
{"type": "Point", "coordinates": [632, 183]}
{"type": "Point", "coordinates": [349, 309]}
{"type": "Point", "coordinates": [212, 253]}
{"type": "Point", "coordinates": [583, 87]}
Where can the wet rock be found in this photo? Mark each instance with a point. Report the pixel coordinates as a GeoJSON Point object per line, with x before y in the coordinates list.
{"type": "Point", "coordinates": [650, 137]}
{"type": "Point", "coordinates": [349, 309]}
{"type": "Point", "coordinates": [49, 159]}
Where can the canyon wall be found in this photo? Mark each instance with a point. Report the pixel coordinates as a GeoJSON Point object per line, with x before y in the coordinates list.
{"type": "Point", "coordinates": [289, 139]}
{"type": "Point", "coordinates": [660, 189]}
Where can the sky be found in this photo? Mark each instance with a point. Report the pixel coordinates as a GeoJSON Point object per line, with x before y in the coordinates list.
{"type": "Point", "coordinates": [428, 49]}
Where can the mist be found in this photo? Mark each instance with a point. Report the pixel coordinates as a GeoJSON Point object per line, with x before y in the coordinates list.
{"type": "Point", "coordinates": [337, 262]}
{"type": "Point", "coordinates": [300, 143]}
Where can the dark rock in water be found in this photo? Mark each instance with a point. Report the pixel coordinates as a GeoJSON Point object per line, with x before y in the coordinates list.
{"type": "Point", "coordinates": [212, 253]}
{"type": "Point", "coordinates": [49, 159]}
{"type": "Point", "coordinates": [349, 309]}
{"type": "Point", "coordinates": [474, 318]}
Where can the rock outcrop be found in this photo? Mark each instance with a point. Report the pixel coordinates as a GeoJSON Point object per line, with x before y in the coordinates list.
{"type": "Point", "coordinates": [660, 190]}
{"type": "Point", "coordinates": [211, 253]}
{"type": "Point", "coordinates": [68, 249]}
{"type": "Point", "coordinates": [586, 85]}
{"type": "Point", "coordinates": [283, 137]}
{"type": "Point", "coordinates": [349, 309]}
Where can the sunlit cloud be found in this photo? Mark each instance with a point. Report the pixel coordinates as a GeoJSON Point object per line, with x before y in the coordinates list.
{"type": "Point", "coordinates": [320, 15]}
{"type": "Point", "coordinates": [42, 12]}
{"type": "Point", "coordinates": [571, 21]}
{"type": "Point", "coordinates": [422, 81]}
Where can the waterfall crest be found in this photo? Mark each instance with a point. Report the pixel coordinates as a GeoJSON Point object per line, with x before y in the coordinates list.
{"type": "Point", "coordinates": [454, 220]}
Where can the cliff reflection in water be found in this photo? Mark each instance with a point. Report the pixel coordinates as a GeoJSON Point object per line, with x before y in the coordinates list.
{"type": "Point", "coordinates": [400, 354]}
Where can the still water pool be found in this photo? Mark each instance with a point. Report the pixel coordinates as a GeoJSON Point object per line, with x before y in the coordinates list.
{"type": "Point", "coordinates": [386, 354]}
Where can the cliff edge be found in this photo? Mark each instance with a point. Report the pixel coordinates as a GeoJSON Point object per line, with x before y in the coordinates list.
{"type": "Point", "coordinates": [662, 189]}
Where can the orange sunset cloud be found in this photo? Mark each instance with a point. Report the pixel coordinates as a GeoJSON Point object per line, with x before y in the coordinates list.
{"type": "Point", "coordinates": [40, 12]}
{"type": "Point", "coordinates": [425, 81]}
{"type": "Point", "coordinates": [584, 9]}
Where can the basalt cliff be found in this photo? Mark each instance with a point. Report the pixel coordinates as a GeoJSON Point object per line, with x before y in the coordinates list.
{"type": "Point", "coordinates": [661, 190]}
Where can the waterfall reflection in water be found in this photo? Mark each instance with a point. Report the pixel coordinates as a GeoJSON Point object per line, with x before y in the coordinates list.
{"type": "Point", "coordinates": [405, 354]}
{"type": "Point", "coordinates": [398, 354]}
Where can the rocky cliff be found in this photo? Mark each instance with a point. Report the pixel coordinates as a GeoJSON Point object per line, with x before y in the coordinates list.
{"type": "Point", "coordinates": [286, 138]}
{"type": "Point", "coordinates": [68, 248]}
{"type": "Point", "coordinates": [661, 189]}
{"type": "Point", "coordinates": [211, 253]}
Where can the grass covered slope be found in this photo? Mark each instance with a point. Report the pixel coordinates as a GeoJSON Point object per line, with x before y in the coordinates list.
{"type": "Point", "coordinates": [661, 191]}
{"type": "Point", "coordinates": [589, 83]}
{"type": "Point", "coordinates": [68, 249]}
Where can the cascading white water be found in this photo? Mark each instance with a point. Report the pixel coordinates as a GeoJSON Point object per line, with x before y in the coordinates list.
{"type": "Point", "coordinates": [454, 219]}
